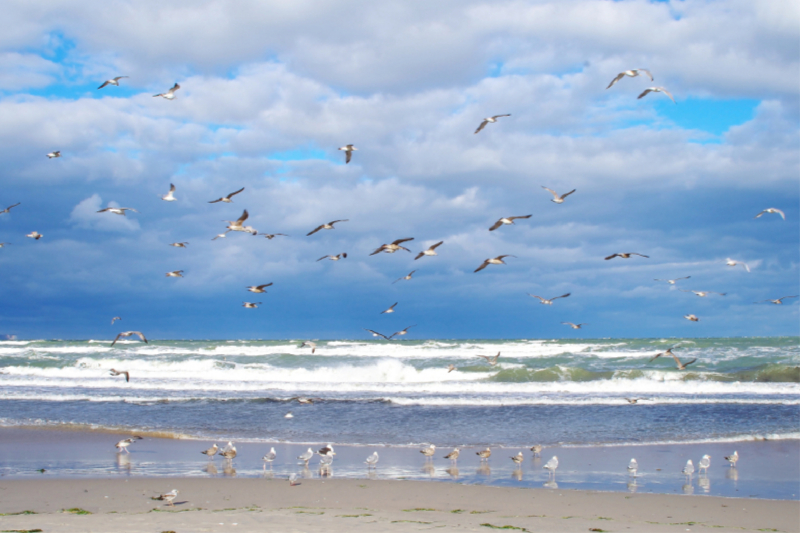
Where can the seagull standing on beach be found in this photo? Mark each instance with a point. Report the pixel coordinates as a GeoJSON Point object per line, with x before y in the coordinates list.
{"type": "Point", "coordinates": [406, 277]}
{"type": "Point", "coordinates": [733, 458]}
{"type": "Point", "coordinates": [258, 288]}
{"type": "Point", "coordinates": [348, 151]}
{"type": "Point", "coordinates": [558, 199]}
{"type": "Point", "coordinates": [312, 345]}
{"type": "Point", "coordinates": [329, 225]}
{"type": "Point", "coordinates": [633, 466]}
{"type": "Point", "coordinates": [122, 446]}
{"type": "Point", "coordinates": [488, 120]}
{"type": "Point", "coordinates": [54, 154]}
{"type": "Point", "coordinates": [779, 301]}
{"type": "Point", "coordinates": [484, 454]}
{"type": "Point", "coordinates": [372, 460]}
{"type": "Point", "coordinates": [326, 450]}
{"type": "Point", "coordinates": [429, 251]}
{"type": "Point", "coordinates": [269, 457]}
{"type": "Point", "coordinates": [169, 196]}
{"type": "Point", "coordinates": [306, 457]}
{"type": "Point", "coordinates": [453, 456]}
{"type": "Point", "coordinates": [493, 261]}
{"type": "Point", "coordinates": [125, 373]}
{"type": "Point", "coordinates": [211, 452]}
{"type": "Point", "coordinates": [129, 334]}
{"type": "Point", "coordinates": [632, 73]}
{"type": "Point", "coordinates": [770, 210]}
{"type": "Point", "coordinates": [551, 465]}
{"type": "Point", "coordinates": [491, 359]}
{"type": "Point", "coordinates": [169, 95]}
{"type": "Point", "coordinates": [731, 263]}
{"type": "Point", "coordinates": [229, 452]}
{"type": "Point", "coordinates": [704, 463]}
{"type": "Point", "coordinates": [227, 199]}
{"type": "Point", "coordinates": [393, 246]}
{"type": "Point", "coordinates": [506, 220]}
{"type": "Point", "coordinates": [550, 301]}
{"type": "Point", "coordinates": [537, 450]}
{"type": "Point", "coordinates": [293, 480]}
{"type": "Point", "coordinates": [7, 209]}
{"type": "Point", "coordinates": [688, 470]}
{"type": "Point", "coordinates": [429, 451]}
{"type": "Point", "coordinates": [169, 497]}
{"type": "Point", "coordinates": [518, 458]}
{"type": "Point", "coordinates": [672, 281]}
{"type": "Point", "coordinates": [657, 90]}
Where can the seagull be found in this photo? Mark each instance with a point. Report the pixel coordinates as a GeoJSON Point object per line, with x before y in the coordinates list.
{"type": "Point", "coordinates": [493, 261]}
{"type": "Point", "coordinates": [537, 450]}
{"type": "Point", "coordinates": [704, 463]}
{"type": "Point", "coordinates": [306, 457]}
{"type": "Point", "coordinates": [372, 460]}
{"type": "Point", "coordinates": [251, 305]}
{"type": "Point", "coordinates": [175, 274]}
{"type": "Point", "coordinates": [329, 225]}
{"type": "Point", "coordinates": [401, 332]}
{"type": "Point", "coordinates": [312, 345]}
{"type": "Point", "coordinates": [125, 373]}
{"type": "Point", "coordinates": [237, 225]}
{"type": "Point", "coordinates": [450, 368]}
{"type": "Point", "coordinates": [53, 155]}
{"type": "Point", "coordinates": [227, 199]}
{"type": "Point", "coordinates": [551, 465]}
{"type": "Point", "coordinates": [211, 452]}
{"type": "Point", "coordinates": [518, 458]}
{"type": "Point", "coordinates": [731, 263]}
{"type": "Point", "coordinates": [169, 197]}
{"type": "Point", "coordinates": [393, 247]}
{"type": "Point", "coordinates": [348, 151]}
{"type": "Point", "coordinates": [733, 458]}
{"type": "Point", "coordinates": [657, 90]}
{"type": "Point", "coordinates": [288, 415]}
{"type": "Point", "coordinates": [770, 210]}
{"type": "Point", "coordinates": [7, 209]}
{"type": "Point", "coordinates": [550, 301]}
{"type": "Point", "coordinates": [556, 198]}
{"type": "Point", "coordinates": [122, 446]}
{"type": "Point", "coordinates": [633, 466]}
{"type": "Point", "coordinates": [632, 401]}
{"type": "Point", "coordinates": [491, 359]}
{"type": "Point", "coordinates": [488, 120]}
{"type": "Point", "coordinates": [573, 326]}
{"type": "Point", "coordinates": [271, 236]}
{"type": "Point", "coordinates": [258, 288]}
{"type": "Point", "coordinates": [703, 294]}
{"type": "Point", "coordinates": [229, 452]}
{"type": "Point", "coordinates": [630, 73]}
{"type": "Point", "coordinates": [626, 256]}
{"type": "Point", "coordinates": [129, 334]}
{"type": "Point", "coordinates": [779, 301]}
{"type": "Point", "coordinates": [453, 456]}
{"type": "Point", "coordinates": [118, 210]}
{"type": "Point", "coordinates": [302, 400]}
{"type": "Point", "coordinates": [169, 496]}
{"type": "Point", "coordinates": [115, 319]}
{"type": "Point", "coordinates": [429, 451]}
{"type": "Point", "coordinates": [293, 480]}
{"type": "Point", "coordinates": [506, 220]}
{"type": "Point", "coordinates": [169, 95]}
{"type": "Point", "coordinates": [406, 277]}
{"type": "Point", "coordinates": [221, 235]}
{"type": "Point", "coordinates": [327, 450]}
{"type": "Point", "coordinates": [342, 255]}
{"type": "Point", "coordinates": [179, 244]}
{"type": "Point", "coordinates": [269, 457]}
{"type": "Point", "coordinates": [376, 334]}
{"type": "Point", "coordinates": [484, 454]}
{"type": "Point", "coordinates": [35, 235]}
{"type": "Point", "coordinates": [681, 366]}
{"type": "Point", "coordinates": [693, 318]}
{"type": "Point", "coordinates": [112, 81]}
{"type": "Point", "coordinates": [672, 281]}
{"type": "Point", "coordinates": [429, 251]}
{"type": "Point", "coordinates": [390, 310]}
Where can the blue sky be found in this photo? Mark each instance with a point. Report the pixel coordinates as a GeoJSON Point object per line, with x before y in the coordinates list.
{"type": "Point", "coordinates": [270, 90]}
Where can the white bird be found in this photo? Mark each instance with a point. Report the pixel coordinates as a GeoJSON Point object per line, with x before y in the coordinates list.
{"type": "Point", "coordinates": [115, 319]}
{"type": "Point", "coordinates": [221, 235]}
{"type": "Point", "coordinates": [329, 225]}
{"type": "Point", "coordinates": [306, 457]}
{"type": "Point", "coordinates": [118, 210]}
{"type": "Point", "coordinates": [54, 154]}
{"type": "Point", "coordinates": [693, 318]}
{"type": "Point", "coordinates": [672, 281]}
{"type": "Point", "coordinates": [731, 263]}
{"type": "Point", "coordinates": [326, 450]}
{"type": "Point", "coordinates": [348, 151]}
{"type": "Point", "coordinates": [175, 274]}
{"type": "Point", "coordinates": [292, 480]}
{"type": "Point", "coordinates": [703, 294]}
{"type": "Point", "coordinates": [507, 220]}
{"type": "Point", "coordinates": [546, 301]}
{"type": "Point", "coordinates": [112, 81]}
{"type": "Point", "coordinates": [518, 458]}
{"type": "Point", "coordinates": [211, 452]}
{"type": "Point", "coordinates": [310, 344]}
{"type": "Point", "coordinates": [169, 496]}
{"type": "Point", "coordinates": [7, 209]}
{"type": "Point", "coordinates": [733, 458]}
{"type": "Point", "coordinates": [688, 470]}
{"type": "Point", "coordinates": [237, 224]}
{"type": "Point", "coordinates": [401, 332]}
{"type": "Point", "coordinates": [453, 456]}
{"type": "Point", "coordinates": [558, 199]}
{"type": "Point", "coordinates": [288, 415]}
{"type": "Point", "coordinates": [632, 73]}
{"type": "Point", "coordinates": [325, 462]}
{"type": "Point", "coordinates": [626, 255]}
{"type": "Point", "coordinates": [429, 451]}
{"type": "Point", "coordinates": [169, 95]}
{"type": "Point", "coordinates": [491, 359]}
{"type": "Point", "coordinates": [493, 261]}
{"type": "Point", "coordinates": [122, 446]}
{"type": "Point", "coordinates": [390, 310]}
{"type": "Point", "coordinates": [129, 334]}
{"type": "Point", "coordinates": [573, 326]}
{"type": "Point", "coordinates": [484, 454]}
{"type": "Point", "coordinates": [406, 277]}
{"type": "Point", "coordinates": [488, 120]}
{"type": "Point", "coordinates": [372, 460]}
{"type": "Point", "coordinates": [251, 305]}
{"type": "Point", "coordinates": [770, 210]}
{"type": "Point", "coordinates": [35, 235]}
{"type": "Point", "coordinates": [633, 466]}
{"type": "Point", "coordinates": [258, 288]}
{"type": "Point", "coordinates": [704, 463]}
{"type": "Point", "coordinates": [169, 197]}
{"type": "Point", "coordinates": [779, 301]}
{"type": "Point", "coordinates": [229, 452]}
{"type": "Point", "coordinates": [227, 199]}
{"type": "Point", "coordinates": [336, 257]}
{"type": "Point", "coordinates": [269, 457]}
{"type": "Point", "coordinates": [393, 247]}
{"type": "Point", "coordinates": [179, 244]}
{"type": "Point", "coordinates": [430, 251]}
{"type": "Point", "coordinates": [551, 465]}
{"type": "Point", "coordinates": [657, 90]}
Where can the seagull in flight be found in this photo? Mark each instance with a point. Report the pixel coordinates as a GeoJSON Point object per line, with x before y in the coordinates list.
{"type": "Point", "coordinates": [406, 277]}
{"type": "Point", "coordinates": [731, 263]}
{"type": "Point", "coordinates": [626, 256]}
{"type": "Point", "coordinates": [376, 334]}
{"type": "Point", "coordinates": [115, 319]}
{"type": "Point", "coordinates": [488, 120]}
{"type": "Point", "coordinates": [450, 368]}
{"type": "Point", "coordinates": [169, 196]}
{"type": "Point", "coordinates": [7, 209]}
{"type": "Point", "coordinates": [118, 210]}
{"type": "Point", "coordinates": [348, 150]}
{"type": "Point", "coordinates": [493, 261]}
{"type": "Point", "coordinates": [169, 95]}
{"type": "Point", "coordinates": [271, 236]}
{"type": "Point", "coordinates": [312, 345]}
{"type": "Point", "coordinates": [703, 294]}
{"type": "Point", "coordinates": [258, 288]}
{"type": "Point", "coordinates": [175, 274]}
{"type": "Point", "coordinates": [390, 310]}
{"type": "Point", "coordinates": [401, 332]}
{"type": "Point", "coordinates": [631, 74]}
{"type": "Point", "coordinates": [491, 359]}
{"type": "Point", "coordinates": [770, 210]}
{"type": "Point", "coordinates": [657, 90]}
{"type": "Point", "coordinates": [35, 235]}
{"type": "Point", "coordinates": [429, 251]}
{"type": "Point", "coordinates": [573, 326]}
{"type": "Point", "coordinates": [179, 244]}
{"type": "Point", "coordinates": [342, 255]}
{"type": "Point", "coordinates": [329, 225]}
{"type": "Point", "coordinates": [550, 301]}
{"type": "Point", "coordinates": [112, 81]}
{"type": "Point", "coordinates": [227, 199]}
{"type": "Point", "coordinates": [693, 318]}
{"type": "Point", "coordinates": [681, 366]}
{"type": "Point", "coordinates": [221, 235]}
{"type": "Point", "coordinates": [779, 301]}
{"type": "Point", "coordinates": [54, 154]}
{"type": "Point", "coordinates": [125, 373]}
{"type": "Point", "coordinates": [251, 305]}
{"type": "Point", "coordinates": [558, 199]}
{"type": "Point", "coordinates": [129, 334]}
{"type": "Point", "coordinates": [672, 281]}
{"type": "Point", "coordinates": [506, 220]}
{"type": "Point", "coordinates": [393, 247]}
{"type": "Point", "coordinates": [237, 225]}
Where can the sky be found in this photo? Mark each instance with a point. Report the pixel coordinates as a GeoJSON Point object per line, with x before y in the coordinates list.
{"type": "Point", "coordinates": [270, 90]}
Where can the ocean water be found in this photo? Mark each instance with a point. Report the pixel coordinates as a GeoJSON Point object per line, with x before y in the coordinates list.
{"type": "Point", "coordinates": [554, 392]}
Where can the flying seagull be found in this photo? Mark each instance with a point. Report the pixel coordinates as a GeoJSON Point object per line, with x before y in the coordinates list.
{"type": "Point", "coordinates": [179, 244]}
{"type": "Point", "coordinates": [118, 210]}
{"type": "Point", "coordinates": [693, 318]}
{"type": "Point", "coordinates": [271, 236]}
{"type": "Point", "coordinates": [770, 210]}
{"type": "Point", "coordinates": [703, 294]}
{"type": "Point", "coordinates": [630, 73]}
{"type": "Point", "coordinates": [329, 225]}
{"type": "Point", "coordinates": [175, 274]}
{"type": "Point", "coordinates": [731, 263]}
{"type": "Point", "coordinates": [681, 366]}
{"type": "Point", "coordinates": [390, 310]}
{"type": "Point", "coordinates": [779, 301]}
{"type": "Point", "coordinates": [227, 199]}
{"type": "Point", "coordinates": [258, 288]}
{"type": "Point", "coordinates": [406, 277]}
{"type": "Point", "coordinates": [169, 196]}
{"type": "Point", "coordinates": [35, 235]}
{"type": "Point", "coordinates": [54, 154]}
{"type": "Point", "coordinates": [558, 199]}
{"type": "Point", "coordinates": [221, 235]}
{"type": "Point", "coordinates": [3, 244]}
{"type": "Point", "coordinates": [657, 90]}
{"type": "Point", "coordinates": [550, 301]}
{"type": "Point", "coordinates": [115, 319]}
{"type": "Point", "coordinates": [450, 368]}
{"type": "Point", "coordinates": [336, 257]}
{"type": "Point", "coordinates": [376, 334]}
{"type": "Point", "coordinates": [393, 247]}
{"type": "Point", "coordinates": [129, 334]}
{"type": "Point", "coordinates": [573, 326]}
{"type": "Point", "coordinates": [312, 345]}
{"type": "Point", "coordinates": [672, 281]}
{"type": "Point", "coordinates": [491, 359]}
{"type": "Point", "coordinates": [506, 220]}
{"type": "Point", "coordinates": [169, 95]}
{"type": "Point", "coordinates": [112, 81]}
{"type": "Point", "coordinates": [7, 209]}
{"type": "Point", "coordinates": [429, 251]}
{"type": "Point", "coordinates": [401, 332]}
{"type": "Point", "coordinates": [251, 305]}
{"type": "Point", "coordinates": [493, 261]}
{"type": "Point", "coordinates": [237, 225]}
{"type": "Point", "coordinates": [348, 151]}
{"type": "Point", "coordinates": [626, 256]}
{"type": "Point", "coordinates": [125, 373]}
{"type": "Point", "coordinates": [488, 120]}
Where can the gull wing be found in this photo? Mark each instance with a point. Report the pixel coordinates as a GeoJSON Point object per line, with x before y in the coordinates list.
{"type": "Point", "coordinates": [641, 255]}
{"type": "Point", "coordinates": [436, 245]}
{"type": "Point", "coordinates": [242, 218]}
{"type": "Point", "coordinates": [687, 363]}
{"type": "Point", "coordinates": [116, 339]}
{"type": "Point", "coordinates": [260, 287]}
{"type": "Point", "coordinates": [379, 250]}
{"type": "Point", "coordinates": [612, 256]}
{"type": "Point", "coordinates": [483, 125]}
{"type": "Point", "coordinates": [484, 265]}
{"type": "Point", "coordinates": [323, 257]}
{"type": "Point", "coordinates": [534, 296]}
{"type": "Point", "coordinates": [105, 83]}
{"type": "Point", "coordinates": [551, 191]}
{"type": "Point", "coordinates": [401, 241]}
{"type": "Point", "coordinates": [615, 80]}
{"type": "Point", "coordinates": [520, 217]}
{"type": "Point", "coordinates": [140, 334]}
{"type": "Point", "coordinates": [348, 156]}
{"type": "Point", "coordinates": [562, 296]}
{"type": "Point", "coordinates": [234, 193]}
{"type": "Point", "coordinates": [567, 194]}
{"type": "Point", "coordinates": [496, 225]}
{"type": "Point", "coordinates": [377, 334]}
{"type": "Point", "coordinates": [646, 72]}
{"type": "Point", "coordinates": [312, 232]}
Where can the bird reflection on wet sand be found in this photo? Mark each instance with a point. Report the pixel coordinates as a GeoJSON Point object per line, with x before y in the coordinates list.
{"type": "Point", "coordinates": [550, 484]}
{"type": "Point", "coordinates": [453, 472]}
{"type": "Point", "coordinates": [123, 463]}
{"type": "Point", "coordinates": [484, 470]}
{"type": "Point", "coordinates": [632, 486]}
{"type": "Point", "coordinates": [517, 474]}
{"type": "Point", "coordinates": [704, 483]}
{"type": "Point", "coordinates": [688, 488]}
{"type": "Point", "coordinates": [229, 470]}
{"type": "Point", "coordinates": [429, 469]}
{"type": "Point", "coordinates": [732, 474]}
{"type": "Point", "coordinates": [211, 468]}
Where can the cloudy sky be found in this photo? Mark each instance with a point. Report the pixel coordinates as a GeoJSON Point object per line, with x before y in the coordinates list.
{"type": "Point", "coordinates": [270, 89]}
